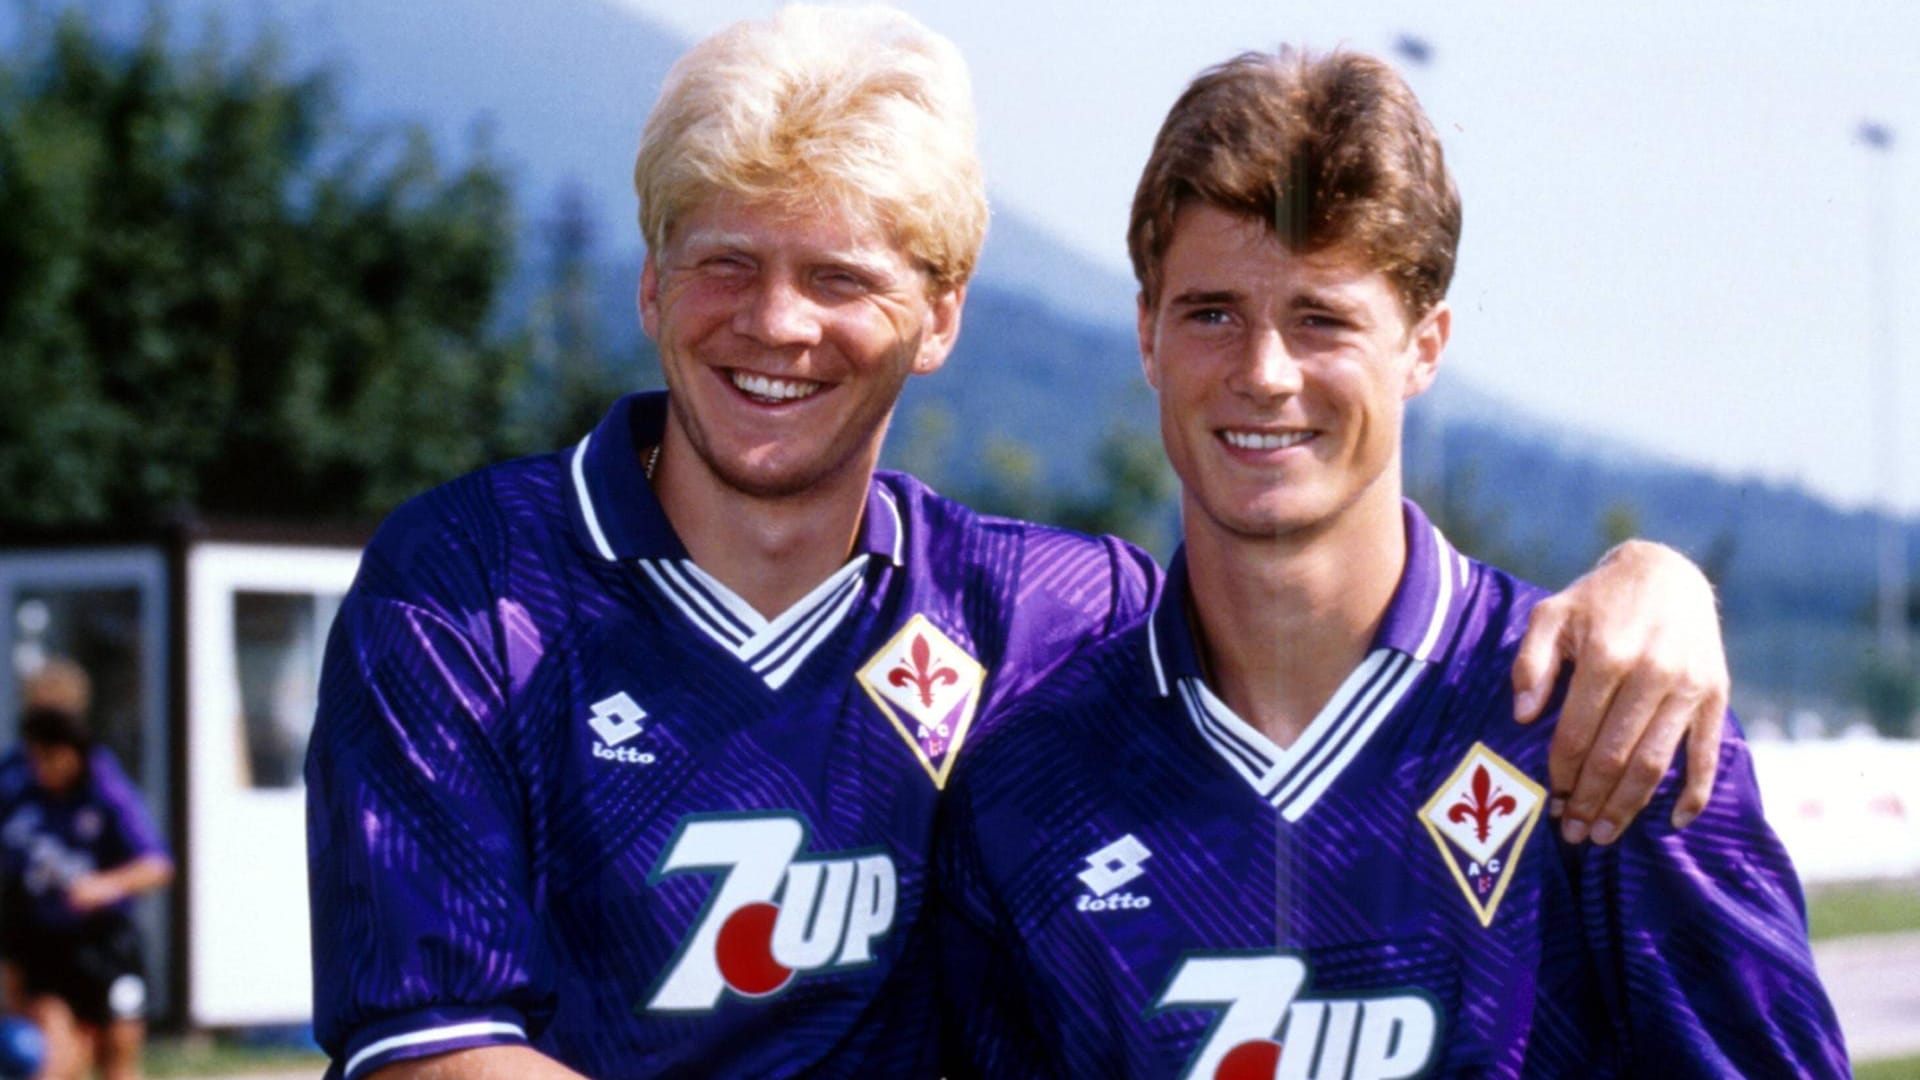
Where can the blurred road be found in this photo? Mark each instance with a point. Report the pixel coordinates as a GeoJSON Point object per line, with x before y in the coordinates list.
{"type": "Point", "coordinates": [1875, 983]}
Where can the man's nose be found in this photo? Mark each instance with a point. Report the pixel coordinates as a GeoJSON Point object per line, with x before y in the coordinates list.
{"type": "Point", "coordinates": [779, 312]}
{"type": "Point", "coordinates": [1269, 369]}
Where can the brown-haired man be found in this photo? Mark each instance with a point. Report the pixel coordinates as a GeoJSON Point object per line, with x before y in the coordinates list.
{"type": "Point", "coordinates": [1288, 828]}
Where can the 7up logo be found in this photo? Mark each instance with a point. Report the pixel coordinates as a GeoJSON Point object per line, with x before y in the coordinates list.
{"type": "Point", "coordinates": [772, 914]}
{"type": "Point", "coordinates": [1267, 1031]}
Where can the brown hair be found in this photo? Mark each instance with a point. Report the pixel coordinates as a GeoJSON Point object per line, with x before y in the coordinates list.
{"type": "Point", "coordinates": [1327, 149]}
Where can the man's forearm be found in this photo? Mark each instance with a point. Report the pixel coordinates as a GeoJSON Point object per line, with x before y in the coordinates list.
{"type": "Point", "coordinates": [481, 1063]}
{"type": "Point", "coordinates": [142, 875]}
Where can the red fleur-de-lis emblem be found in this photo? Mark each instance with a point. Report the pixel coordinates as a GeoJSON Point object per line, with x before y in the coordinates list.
{"type": "Point", "coordinates": [923, 675]}
{"type": "Point", "coordinates": [1486, 802]}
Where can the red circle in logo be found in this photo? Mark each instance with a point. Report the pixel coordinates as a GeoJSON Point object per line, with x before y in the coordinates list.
{"type": "Point", "coordinates": [1255, 1059]}
{"type": "Point", "coordinates": [744, 951]}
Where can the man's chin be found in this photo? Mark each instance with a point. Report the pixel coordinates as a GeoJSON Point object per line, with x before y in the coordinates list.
{"type": "Point", "coordinates": [783, 480]}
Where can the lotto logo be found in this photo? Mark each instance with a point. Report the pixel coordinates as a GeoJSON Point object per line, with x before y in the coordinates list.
{"type": "Point", "coordinates": [772, 915]}
{"type": "Point", "coordinates": [1108, 869]}
{"type": "Point", "coordinates": [616, 720]}
{"type": "Point", "coordinates": [1115, 865]}
{"type": "Point", "coordinates": [1385, 1037]}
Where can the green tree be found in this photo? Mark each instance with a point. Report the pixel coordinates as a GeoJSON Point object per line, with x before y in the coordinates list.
{"type": "Point", "coordinates": [576, 373]}
{"type": "Point", "coordinates": [1132, 494]}
{"type": "Point", "coordinates": [216, 299]}
{"type": "Point", "coordinates": [1889, 689]}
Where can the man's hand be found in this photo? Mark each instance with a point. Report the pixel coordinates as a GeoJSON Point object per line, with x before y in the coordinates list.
{"type": "Point", "coordinates": [1643, 636]}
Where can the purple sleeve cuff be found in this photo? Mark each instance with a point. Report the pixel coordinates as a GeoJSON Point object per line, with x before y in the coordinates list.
{"type": "Point", "coordinates": [428, 1032]}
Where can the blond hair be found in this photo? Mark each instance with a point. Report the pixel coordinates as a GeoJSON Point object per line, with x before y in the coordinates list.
{"type": "Point", "coordinates": [860, 109]}
{"type": "Point", "coordinates": [58, 684]}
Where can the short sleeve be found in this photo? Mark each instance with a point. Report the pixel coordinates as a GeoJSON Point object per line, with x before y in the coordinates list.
{"type": "Point", "coordinates": [424, 936]}
{"type": "Point", "coordinates": [136, 832]}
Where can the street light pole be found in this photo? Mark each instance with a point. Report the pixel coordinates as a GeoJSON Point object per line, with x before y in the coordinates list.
{"type": "Point", "coordinates": [1891, 608]}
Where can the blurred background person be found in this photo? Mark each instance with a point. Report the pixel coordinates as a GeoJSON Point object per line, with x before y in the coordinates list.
{"type": "Point", "coordinates": [76, 848]}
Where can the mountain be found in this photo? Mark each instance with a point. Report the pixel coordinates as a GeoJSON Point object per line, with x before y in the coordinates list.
{"type": "Point", "coordinates": [558, 91]}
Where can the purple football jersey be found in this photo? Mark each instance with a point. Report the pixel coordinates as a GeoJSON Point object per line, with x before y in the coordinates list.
{"type": "Point", "coordinates": [566, 789]}
{"type": "Point", "coordinates": [1135, 882]}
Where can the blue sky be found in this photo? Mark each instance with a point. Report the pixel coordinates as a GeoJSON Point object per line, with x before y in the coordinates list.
{"type": "Point", "coordinates": [1669, 217]}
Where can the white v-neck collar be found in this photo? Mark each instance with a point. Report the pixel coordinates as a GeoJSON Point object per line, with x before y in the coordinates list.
{"type": "Point", "coordinates": [773, 648]}
{"type": "Point", "coordinates": [1418, 628]}
{"type": "Point", "coordinates": [1293, 778]}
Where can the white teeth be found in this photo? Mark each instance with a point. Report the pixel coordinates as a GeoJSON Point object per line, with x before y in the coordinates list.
{"type": "Point", "coordinates": [777, 389]}
{"type": "Point", "coordinates": [1262, 440]}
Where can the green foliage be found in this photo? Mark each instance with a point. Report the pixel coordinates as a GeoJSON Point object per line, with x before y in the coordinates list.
{"type": "Point", "coordinates": [1136, 496]}
{"type": "Point", "coordinates": [213, 299]}
{"type": "Point", "coordinates": [1132, 494]}
{"type": "Point", "coordinates": [575, 373]}
{"type": "Point", "coordinates": [1476, 525]}
{"type": "Point", "coordinates": [1619, 523]}
{"type": "Point", "coordinates": [1889, 689]}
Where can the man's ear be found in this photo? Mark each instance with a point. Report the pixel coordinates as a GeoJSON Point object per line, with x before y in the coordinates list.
{"type": "Point", "coordinates": [1145, 325]}
{"type": "Point", "coordinates": [1429, 342]}
{"type": "Point", "coordinates": [649, 297]}
{"type": "Point", "coordinates": [943, 330]}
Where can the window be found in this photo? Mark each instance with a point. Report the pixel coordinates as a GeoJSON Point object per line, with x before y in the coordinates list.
{"type": "Point", "coordinates": [278, 638]}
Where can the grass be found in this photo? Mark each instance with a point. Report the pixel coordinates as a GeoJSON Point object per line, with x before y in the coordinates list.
{"type": "Point", "coordinates": [1906, 1068]}
{"type": "Point", "coordinates": [206, 1055]}
{"type": "Point", "coordinates": [1870, 908]}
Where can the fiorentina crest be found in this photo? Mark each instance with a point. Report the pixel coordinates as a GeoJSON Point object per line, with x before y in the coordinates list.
{"type": "Point", "coordinates": [928, 687]}
{"type": "Point", "coordinates": [1481, 818]}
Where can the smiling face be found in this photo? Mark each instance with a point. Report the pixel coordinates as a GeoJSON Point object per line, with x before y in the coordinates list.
{"type": "Point", "coordinates": [785, 339]}
{"type": "Point", "coordinates": [1282, 379]}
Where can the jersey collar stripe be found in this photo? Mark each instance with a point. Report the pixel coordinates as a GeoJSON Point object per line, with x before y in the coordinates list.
{"type": "Point", "coordinates": [1293, 778]}
{"type": "Point", "coordinates": [805, 608]}
{"type": "Point", "coordinates": [432, 1035]}
{"type": "Point", "coordinates": [693, 604]}
{"type": "Point", "coordinates": [779, 676]}
{"type": "Point", "coordinates": [586, 500]}
{"type": "Point", "coordinates": [1247, 760]}
{"type": "Point", "coordinates": [1333, 720]}
{"type": "Point", "coordinates": [1443, 573]}
{"type": "Point", "coordinates": [1406, 674]}
{"type": "Point", "coordinates": [738, 611]}
{"type": "Point", "coordinates": [782, 645]}
{"type": "Point", "coordinates": [1153, 653]}
{"type": "Point", "coordinates": [1221, 718]}
{"type": "Point", "coordinates": [1365, 686]}
{"type": "Point", "coordinates": [899, 526]}
{"type": "Point", "coordinates": [773, 650]}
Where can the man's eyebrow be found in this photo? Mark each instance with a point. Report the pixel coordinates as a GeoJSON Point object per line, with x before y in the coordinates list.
{"type": "Point", "coordinates": [1206, 297]}
{"type": "Point", "coordinates": [1318, 300]}
{"type": "Point", "coordinates": [720, 238]}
